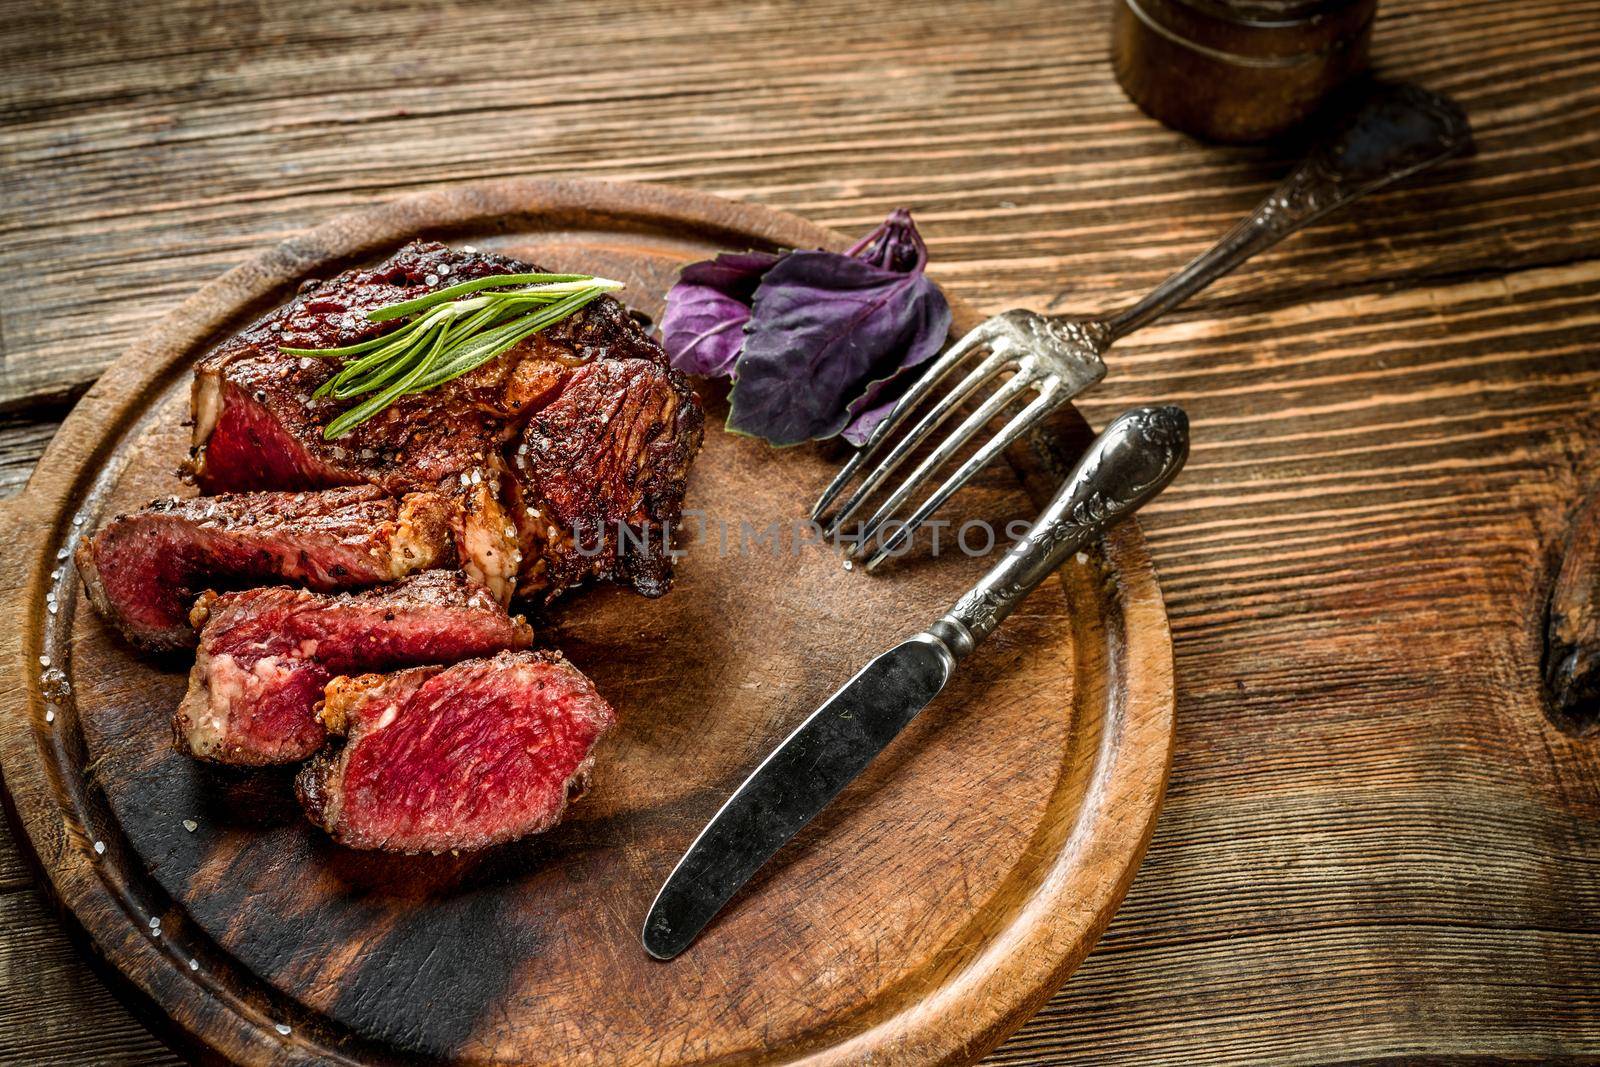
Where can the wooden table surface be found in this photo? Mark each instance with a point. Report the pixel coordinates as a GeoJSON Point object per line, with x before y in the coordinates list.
{"type": "Point", "coordinates": [1374, 845]}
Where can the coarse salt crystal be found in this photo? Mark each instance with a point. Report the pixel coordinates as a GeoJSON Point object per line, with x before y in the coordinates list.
{"type": "Point", "coordinates": [44, 661]}
{"type": "Point", "coordinates": [469, 249]}
{"type": "Point", "coordinates": [49, 714]}
{"type": "Point", "coordinates": [155, 922]}
{"type": "Point", "coordinates": [99, 848]}
{"type": "Point", "coordinates": [477, 477]}
{"type": "Point", "coordinates": [431, 279]}
{"type": "Point", "coordinates": [445, 268]}
{"type": "Point", "coordinates": [190, 825]}
{"type": "Point", "coordinates": [194, 965]}
{"type": "Point", "coordinates": [52, 609]}
{"type": "Point", "coordinates": [1083, 557]}
{"type": "Point", "coordinates": [285, 1029]}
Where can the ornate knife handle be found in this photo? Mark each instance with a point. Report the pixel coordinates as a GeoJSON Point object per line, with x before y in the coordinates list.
{"type": "Point", "coordinates": [1128, 464]}
{"type": "Point", "coordinates": [1398, 131]}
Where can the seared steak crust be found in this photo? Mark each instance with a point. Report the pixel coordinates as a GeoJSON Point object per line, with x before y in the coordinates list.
{"type": "Point", "coordinates": [266, 654]}
{"type": "Point", "coordinates": [606, 459]}
{"type": "Point", "coordinates": [258, 427]}
{"type": "Point", "coordinates": [143, 570]}
{"type": "Point", "coordinates": [462, 757]}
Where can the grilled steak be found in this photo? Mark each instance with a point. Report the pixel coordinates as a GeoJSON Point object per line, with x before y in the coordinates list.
{"type": "Point", "coordinates": [143, 570]}
{"type": "Point", "coordinates": [461, 757]}
{"type": "Point", "coordinates": [257, 425]}
{"type": "Point", "coordinates": [266, 654]}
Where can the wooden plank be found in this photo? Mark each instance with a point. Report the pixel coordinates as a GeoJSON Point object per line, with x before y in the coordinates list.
{"type": "Point", "coordinates": [22, 440]}
{"type": "Point", "coordinates": [134, 168]}
{"type": "Point", "coordinates": [54, 1011]}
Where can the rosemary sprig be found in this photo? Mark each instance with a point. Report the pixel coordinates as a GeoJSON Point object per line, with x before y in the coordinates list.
{"type": "Point", "coordinates": [452, 333]}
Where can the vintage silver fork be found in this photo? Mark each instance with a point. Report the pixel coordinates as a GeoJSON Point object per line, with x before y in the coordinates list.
{"type": "Point", "coordinates": [1398, 131]}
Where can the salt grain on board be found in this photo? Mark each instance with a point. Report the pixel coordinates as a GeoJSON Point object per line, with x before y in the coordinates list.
{"type": "Point", "coordinates": [99, 848]}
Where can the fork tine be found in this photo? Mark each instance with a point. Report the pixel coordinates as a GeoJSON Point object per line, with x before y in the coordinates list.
{"type": "Point", "coordinates": [919, 389]}
{"type": "Point", "coordinates": [1050, 397]}
{"type": "Point", "coordinates": [1026, 377]}
{"type": "Point", "coordinates": [976, 379]}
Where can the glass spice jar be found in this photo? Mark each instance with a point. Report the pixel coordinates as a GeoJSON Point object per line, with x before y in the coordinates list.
{"type": "Point", "coordinates": [1237, 70]}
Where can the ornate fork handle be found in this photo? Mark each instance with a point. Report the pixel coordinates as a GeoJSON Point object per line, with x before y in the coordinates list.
{"type": "Point", "coordinates": [1128, 464]}
{"type": "Point", "coordinates": [1400, 130]}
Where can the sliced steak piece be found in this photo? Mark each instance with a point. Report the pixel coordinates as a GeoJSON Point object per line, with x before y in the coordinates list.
{"type": "Point", "coordinates": [600, 474]}
{"type": "Point", "coordinates": [462, 757]}
{"type": "Point", "coordinates": [143, 570]}
{"type": "Point", "coordinates": [257, 425]}
{"type": "Point", "coordinates": [266, 654]}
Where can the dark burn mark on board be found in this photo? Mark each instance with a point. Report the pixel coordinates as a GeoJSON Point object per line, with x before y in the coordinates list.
{"type": "Point", "coordinates": [424, 985]}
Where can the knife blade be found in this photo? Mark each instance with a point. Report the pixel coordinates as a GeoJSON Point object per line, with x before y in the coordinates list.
{"type": "Point", "coordinates": [1128, 464]}
{"type": "Point", "coordinates": [799, 778]}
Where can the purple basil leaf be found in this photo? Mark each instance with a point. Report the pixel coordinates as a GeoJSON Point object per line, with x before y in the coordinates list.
{"type": "Point", "coordinates": [895, 245]}
{"type": "Point", "coordinates": [703, 327]}
{"type": "Point", "coordinates": [873, 406]}
{"type": "Point", "coordinates": [865, 419]}
{"type": "Point", "coordinates": [824, 326]}
{"type": "Point", "coordinates": [734, 274]}
{"type": "Point", "coordinates": [703, 330]}
{"type": "Point", "coordinates": [875, 402]}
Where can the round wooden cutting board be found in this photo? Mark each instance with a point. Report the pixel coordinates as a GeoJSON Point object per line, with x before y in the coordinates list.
{"type": "Point", "coordinates": [923, 916]}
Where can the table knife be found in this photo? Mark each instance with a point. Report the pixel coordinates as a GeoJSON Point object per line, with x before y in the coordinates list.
{"type": "Point", "coordinates": [1128, 464]}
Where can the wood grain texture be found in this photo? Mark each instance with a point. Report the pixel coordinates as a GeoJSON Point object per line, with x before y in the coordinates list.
{"type": "Point", "coordinates": [1374, 846]}
{"type": "Point", "coordinates": [919, 920]}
